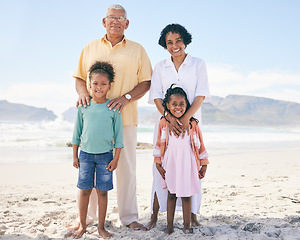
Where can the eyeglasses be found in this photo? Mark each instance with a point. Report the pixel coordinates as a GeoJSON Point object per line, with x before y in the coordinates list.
{"type": "Point", "coordinates": [119, 19]}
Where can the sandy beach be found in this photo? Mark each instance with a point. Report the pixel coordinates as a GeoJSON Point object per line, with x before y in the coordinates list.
{"type": "Point", "coordinates": [252, 195]}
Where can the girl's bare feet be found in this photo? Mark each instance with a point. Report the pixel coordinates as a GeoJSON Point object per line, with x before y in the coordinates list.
{"type": "Point", "coordinates": [188, 230]}
{"type": "Point", "coordinates": [80, 231]}
{"type": "Point", "coordinates": [194, 221]}
{"type": "Point", "coordinates": [136, 226]}
{"type": "Point", "coordinates": [105, 234]}
{"type": "Point", "coordinates": [152, 222]}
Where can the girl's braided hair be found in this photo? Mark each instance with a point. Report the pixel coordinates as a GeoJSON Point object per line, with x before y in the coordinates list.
{"type": "Point", "coordinates": [172, 90]}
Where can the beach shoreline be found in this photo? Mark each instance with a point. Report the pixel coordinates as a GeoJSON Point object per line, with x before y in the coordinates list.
{"type": "Point", "coordinates": [253, 195]}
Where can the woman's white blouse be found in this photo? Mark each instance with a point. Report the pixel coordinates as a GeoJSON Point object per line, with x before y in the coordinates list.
{"type": "Point", "coordinates": [191, 76]}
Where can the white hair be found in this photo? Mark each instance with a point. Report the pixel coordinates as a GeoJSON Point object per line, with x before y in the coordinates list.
{"type": "Point", "coordinates": [117, 7]}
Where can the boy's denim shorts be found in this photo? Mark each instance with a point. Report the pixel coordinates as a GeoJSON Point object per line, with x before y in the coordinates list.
{"type": "Point", "coordinates": [91, 164]}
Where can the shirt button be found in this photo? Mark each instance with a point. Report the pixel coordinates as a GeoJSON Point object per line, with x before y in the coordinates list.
{"type": "Point", "coordinates": [178, 79]}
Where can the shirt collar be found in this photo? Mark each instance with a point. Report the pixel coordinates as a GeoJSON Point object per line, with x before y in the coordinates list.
{"type": "Point", "coordinates": [104, 39]}
{"type": "Point", "coordinates": [187, 61]}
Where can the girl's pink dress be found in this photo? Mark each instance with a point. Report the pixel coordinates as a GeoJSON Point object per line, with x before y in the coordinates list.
{"type": "Point", "coordinates": [181, 177]}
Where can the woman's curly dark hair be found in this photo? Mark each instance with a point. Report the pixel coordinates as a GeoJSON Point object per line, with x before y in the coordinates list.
{"type": "Point", "coordinates": [175, 28]}
{"type": "Point", "coordinates": [102, 67]}
{"type": "Point", "coordinates": [172, 90]}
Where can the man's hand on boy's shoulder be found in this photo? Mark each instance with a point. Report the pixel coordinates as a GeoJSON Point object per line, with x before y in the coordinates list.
{"type": "Point", "coordinates": [83, 100]}
{"type": "Point", "coordinates": [117, 104]}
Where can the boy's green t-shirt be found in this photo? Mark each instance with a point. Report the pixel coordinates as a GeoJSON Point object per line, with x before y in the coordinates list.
{"type": "Point", "coordinates": [97, 129]}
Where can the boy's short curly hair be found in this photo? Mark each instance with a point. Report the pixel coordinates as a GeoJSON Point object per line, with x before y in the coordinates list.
{"type": "Point", "coordinates": [174, 28]}
{"type": "Point", "coordinates": [102, 67]}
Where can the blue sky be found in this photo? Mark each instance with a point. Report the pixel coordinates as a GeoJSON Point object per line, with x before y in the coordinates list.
{"type": "Point", "coordinates": [250, 47]}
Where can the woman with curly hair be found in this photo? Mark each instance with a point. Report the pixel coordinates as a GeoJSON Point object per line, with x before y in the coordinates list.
{"type": "Point", "coordinates": [190, 74]}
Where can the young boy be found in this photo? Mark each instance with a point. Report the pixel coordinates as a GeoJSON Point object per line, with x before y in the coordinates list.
{"type": "Point", "coordinates": [97, 130]}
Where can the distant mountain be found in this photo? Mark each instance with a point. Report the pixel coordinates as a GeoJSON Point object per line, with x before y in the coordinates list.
{"type": "Point", "coordinates": [22, 113]}
{"type": "Point", "coordinates": [70, 114]}
{"type": "Point", "coordinates": [232, 110]}
{"type": "Point", "coordinates": [213, 115]}
{"type": "Point", "coordinates": [249, 110]}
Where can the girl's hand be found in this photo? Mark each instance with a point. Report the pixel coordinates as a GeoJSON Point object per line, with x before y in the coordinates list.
{"type": "Point", "coordinates": [174, 125]}
{"type": "Point", "coordinates": [76, 163]}
{"type": "Point", "coordinates": [112, 165]}
{"type": "Point", "coordinates": [161, 170]}
{"type": "Point", "coordinates": [202, 171]}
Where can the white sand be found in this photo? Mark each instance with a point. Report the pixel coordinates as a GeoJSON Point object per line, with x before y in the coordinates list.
{"type": "Point", "coordinates": [245, 196]}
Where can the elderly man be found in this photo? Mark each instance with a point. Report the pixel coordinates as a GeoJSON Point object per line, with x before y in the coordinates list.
{"type": "Point", "coordinates": [132, 80]}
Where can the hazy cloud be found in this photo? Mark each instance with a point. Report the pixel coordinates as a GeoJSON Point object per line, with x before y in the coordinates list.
{"type": "Point", "coordinates": [223, 81]}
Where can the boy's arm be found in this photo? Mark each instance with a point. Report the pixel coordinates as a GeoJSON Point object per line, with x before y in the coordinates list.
{"type": "Point", "coordinates": [114, 163]}
{"type": "Point", "coordinates": [76, 137]}
{"type": "Point", "coordinates": [75, 156]}
{"type": "Point", "coordinates": [118, 141]}
{"type": "Point", "coordinates": [118, 131]}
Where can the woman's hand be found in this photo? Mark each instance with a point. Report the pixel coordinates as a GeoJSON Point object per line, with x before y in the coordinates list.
{"type": "Point", "coordinates": [202, 171]}
{"type": "Point", "coordinates": [174, 125]}
{"type": "Point", "coordinates": [185, 124]}
{"type": "Point", "coordinates": [118, 103]}
{"type": "Point", "coordinates": [161, 170]}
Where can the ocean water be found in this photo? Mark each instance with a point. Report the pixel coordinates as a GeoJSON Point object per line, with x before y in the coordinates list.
{"type": "Point", "coordinates": [47, 141]}
{"type": "Point", "coordinates": [236, 139]}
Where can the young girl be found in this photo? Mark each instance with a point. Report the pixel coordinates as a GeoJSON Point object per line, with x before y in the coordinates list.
{"type": "Point", "coordinates": [97, 130]}
{"type": "Point", "coordinates": [181, 161]}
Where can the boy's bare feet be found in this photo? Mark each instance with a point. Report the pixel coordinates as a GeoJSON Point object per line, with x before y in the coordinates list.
{"type": "Point", "coordinates": [169, 230]}
{"type": "Point", "coordinates": [152, 222]}
{"type": "Point", "coordinates": [194, 221]}
{"type": "Point", "coordinates": [105, 234]}
{"type": "Point", "coordinates": [136, 226]}
{"type": "Point", "coordinates": [74, 226]}
{"type": "Point", "coordinates": [80, 231]}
